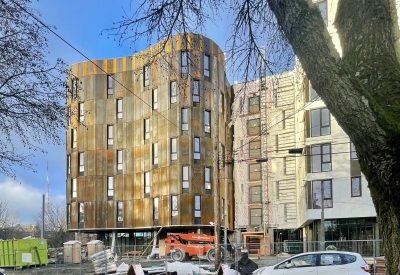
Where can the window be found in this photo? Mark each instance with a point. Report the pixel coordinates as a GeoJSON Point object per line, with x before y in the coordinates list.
{"type": "Point", "coordinates": [320, 122]}
{"type": "Point", "coordinates": [146, 76]}
{"type": "Point", "coordinates": [119, 160]}
{"type": "Point", "coordinates": [283, 119]}
{"type": "Point", "coordinates": [119, 108]}
{"type": "Point", "coordinates": [81, 215]}
{"type": "Point", "coordinates": [81, 112]}
{"type": "Point", "coordinates": [73, 138]}
{"type": "Point", "coordinates": [255, 194]}
{"type": "Point", "coordinates": [207, 122]}
{"type": "Point", "coordinates": [110, 85]}
{"type": "Point", "coordinates": [197, 209]}
{"type": "Point", "coordinates": [324, 12]}
{"type": "Point", "coordinates": [254, 104]}
{"type": "Point", "coordinates": [184, 118]}
{"type": "Point", "coordinates": [68, 164]}
{"type": "Point", "coordinates": [207, 178]}
{"type": "Point", "coordinates": [322, 187]}
{"type": "Point", "coordinates": [255, 216]}
{"type": "Point", "coordinates": [255, 171]}
{"type": "Point", "coordinates": [313, 93]}
{"type": "Point", "coordinates": [331, 259]}
{"type": "Point", "coordinates": [255, 149]}
{"type": "Point", "coordinates": [73, 189]}
{"type": "Point", "coordinates": [300, 261]}
{"type": "Point", "coordinates": [81, 162]}
{"type": "Point", "coordinates": [353, 153]}
{"type": "Point", "coordinates": [147, 182]}
{"type": "Point", "coordinates": [155, 211]}
{"type": "Point", "coordinates": [185, 176]}
{"type": "Point", "coordinates": [321, 158]}
{"type": "Point", "coordinates": [174, 152]}
{"type": "Point", "coordinates": [207, 65]}
{"type": "Point", "coordinates": [196, 146]}
{"type": "Point", "coordinates": [356, 186]}
{"type": "Point", "coordinates": [110, 134]}
{"type": "Point", "coordinates": [155, 153]}
{"type": "Point", "coordinates": [110, 188]}
{"type": "Point", "coordinates": [120, 212]}
{"type": "Point", "coordinates": [184, 62]}
{"type": "Point", "coordinates": [196, 91]}
{"type": "Point", "coordinates": [173, 92]}
{"type": "Point", "coordinates": [155, 99]}
{"type": "Point", "coordinates": [253, 127]}
{"type": "Point", "coordinates": [174, 209]}
{"type": "Point", "coordinates": [146, 128]}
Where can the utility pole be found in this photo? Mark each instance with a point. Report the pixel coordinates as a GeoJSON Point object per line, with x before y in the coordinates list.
{"type": "Point", "coordinates": [217, 190]}
{"type": "Point", "coordinates": [322, 217]}
{"type": "Point", "coordinates": [226, 210]}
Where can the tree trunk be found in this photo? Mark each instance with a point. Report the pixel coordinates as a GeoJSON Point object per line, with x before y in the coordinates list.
{"type": "Point", "coordinates": [361, 89]}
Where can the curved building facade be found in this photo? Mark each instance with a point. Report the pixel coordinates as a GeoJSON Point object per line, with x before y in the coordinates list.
{"type": "Point", "coordinates": [141, 137]}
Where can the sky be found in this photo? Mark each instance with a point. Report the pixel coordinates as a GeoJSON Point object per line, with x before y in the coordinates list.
{"type": "Point", "coordinates": [80, 23]}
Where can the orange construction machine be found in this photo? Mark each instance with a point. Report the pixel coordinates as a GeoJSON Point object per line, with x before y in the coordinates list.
{"type": "Point", "coordinates": [182, 246]}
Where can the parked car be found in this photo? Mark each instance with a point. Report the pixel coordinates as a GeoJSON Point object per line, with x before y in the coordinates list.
{"type": "Point", "coordinates": [319, 263]}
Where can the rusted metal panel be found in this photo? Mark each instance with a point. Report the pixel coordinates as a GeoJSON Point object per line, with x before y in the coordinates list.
{"type": "Point", "coordinates": [118, 192]}
{"type": "Point", "coordinates": [90, 188]}
{"type": "Point", "coordinates": [147, 212]}
{"type": "Point", "coordinates": [128, 187]}
{"type": "Point", "coordinates": [129, 160]}
{"type": "Point", "coordinates": [164, 210]}
{"type": "Point", "coordinates": [198, 179]}
{"type": "Point", "coordinates": [111, 214]}
{"type": "Point", "coordinates": [129, 213]}
{"type": "Point", "coordinates": [198, 121]}
{"type": "Point", "coordinates": [185, 149]}
{"type": "Point", "coordinates": [81, 189]}
{"type": "Point", "coordinates": [111, 162]}
{"type": "Point", "coordinates": [74, 215]}
{"type": "Point", "coordinates": [156, 183]}
{"type": "Point", "coordinates": [100, 188]}
{"type": "Point", "coordinates": [100, 215]}
{"type": "Point", "coordinates": [138, 213]}
{"type": "Point", "coordinates": [207, 208]}
{"type": "Point", "coordinates": [164, 180]}
{"type": "Point", "coordinates": [138, 189]}
{"type": "Point", "coordinates": [146, 157]}
{"type": "Point", "coordinates": [173, 180]}
{"type": "Point", "coordinates": [186, 208]}
{"type": "Point", "coordinates": [90, 214]}
{"type": "Point", "coordinates": [101, 162]}
{"type": "Point", "coordinates": [119, 135]}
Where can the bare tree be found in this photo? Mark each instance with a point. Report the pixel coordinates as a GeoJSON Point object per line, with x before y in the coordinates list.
{"type": "Point", "coordinates": [32, 94]}
{"type": "Point", "coordinates": [9, 219]}
{"type": "Point", "coordinates": [55, 224]}
{"type": "Point", "coordinates": [360, 86]}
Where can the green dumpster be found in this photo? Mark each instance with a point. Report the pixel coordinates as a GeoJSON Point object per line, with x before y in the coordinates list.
{"type": "Point", "coordinates": [24, 252]}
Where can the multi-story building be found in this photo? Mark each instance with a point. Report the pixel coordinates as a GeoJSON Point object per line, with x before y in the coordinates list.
{"type": "Point", "coordinates": [140, 148]}
{"type": "Point", "coordinates": [264, 174]}
{"type": "Point", "coordinates": [328, 174]}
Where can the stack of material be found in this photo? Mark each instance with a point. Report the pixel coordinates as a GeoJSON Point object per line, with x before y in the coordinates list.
{"type": "Point", "coordinates": [380, 267]}
{"type": "Point", "coordinates": [103, 262]}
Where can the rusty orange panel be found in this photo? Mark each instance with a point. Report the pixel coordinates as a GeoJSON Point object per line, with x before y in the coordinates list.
{"type": "Point", "coordinates": [85, 68]}
{"type": "Point", "coordinates": [111, 214]}
{"type": "Point", "coordinates": [186, 208]}
{"type": "Point", "coordinates": [156, 183]}
{"type": "Point", "coordinates": [128, 191]}
{"type": "Point", "coordinates": [89, 215]}
{"type": "Point", "coordinates": [164, 210]}
{"type": "Point", "coordinates": [173, 179]}
{"type": "Point", "coordinates": [198, 180]}
{"type": "Point", "coordinates": [81, 189]}
{"type": "Point", "coordinates": [101, 214]}
{"type": "Point", "coordinates": [100, 187]}
{"type": "Point", "coordinates": [128, 214]}
{"type": "Point", "coordinates": [118, 192]}
{"type": "Point", "coordinates": [207, 208]}
{"type": "Point", "coordinates": [90, 188]}
{"type": "Point", "coordinates": [137, 186]}
{"type": "Point", "coordinates": [138, 213]}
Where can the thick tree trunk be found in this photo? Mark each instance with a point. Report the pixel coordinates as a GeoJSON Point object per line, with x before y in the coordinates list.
{"type": "Point", "coordinates": [361, 89]}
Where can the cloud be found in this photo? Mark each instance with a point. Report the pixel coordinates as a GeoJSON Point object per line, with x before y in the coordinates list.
{"type": "Point", "coordinates": [25, 199]}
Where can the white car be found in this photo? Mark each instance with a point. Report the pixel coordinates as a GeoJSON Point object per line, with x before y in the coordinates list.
{"type": "Point", "coordinates": [319, 263]}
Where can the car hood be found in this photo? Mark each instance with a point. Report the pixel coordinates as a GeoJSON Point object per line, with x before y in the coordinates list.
{"type": "Point", "coordinates": [262, 270]}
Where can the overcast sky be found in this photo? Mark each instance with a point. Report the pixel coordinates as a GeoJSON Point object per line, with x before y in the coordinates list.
{"type": "Point", "coordinates": [80, 23]}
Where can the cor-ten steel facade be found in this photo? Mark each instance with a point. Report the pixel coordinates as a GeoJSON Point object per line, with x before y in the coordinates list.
{"type": "Point", "coordinates": [140, 139]}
